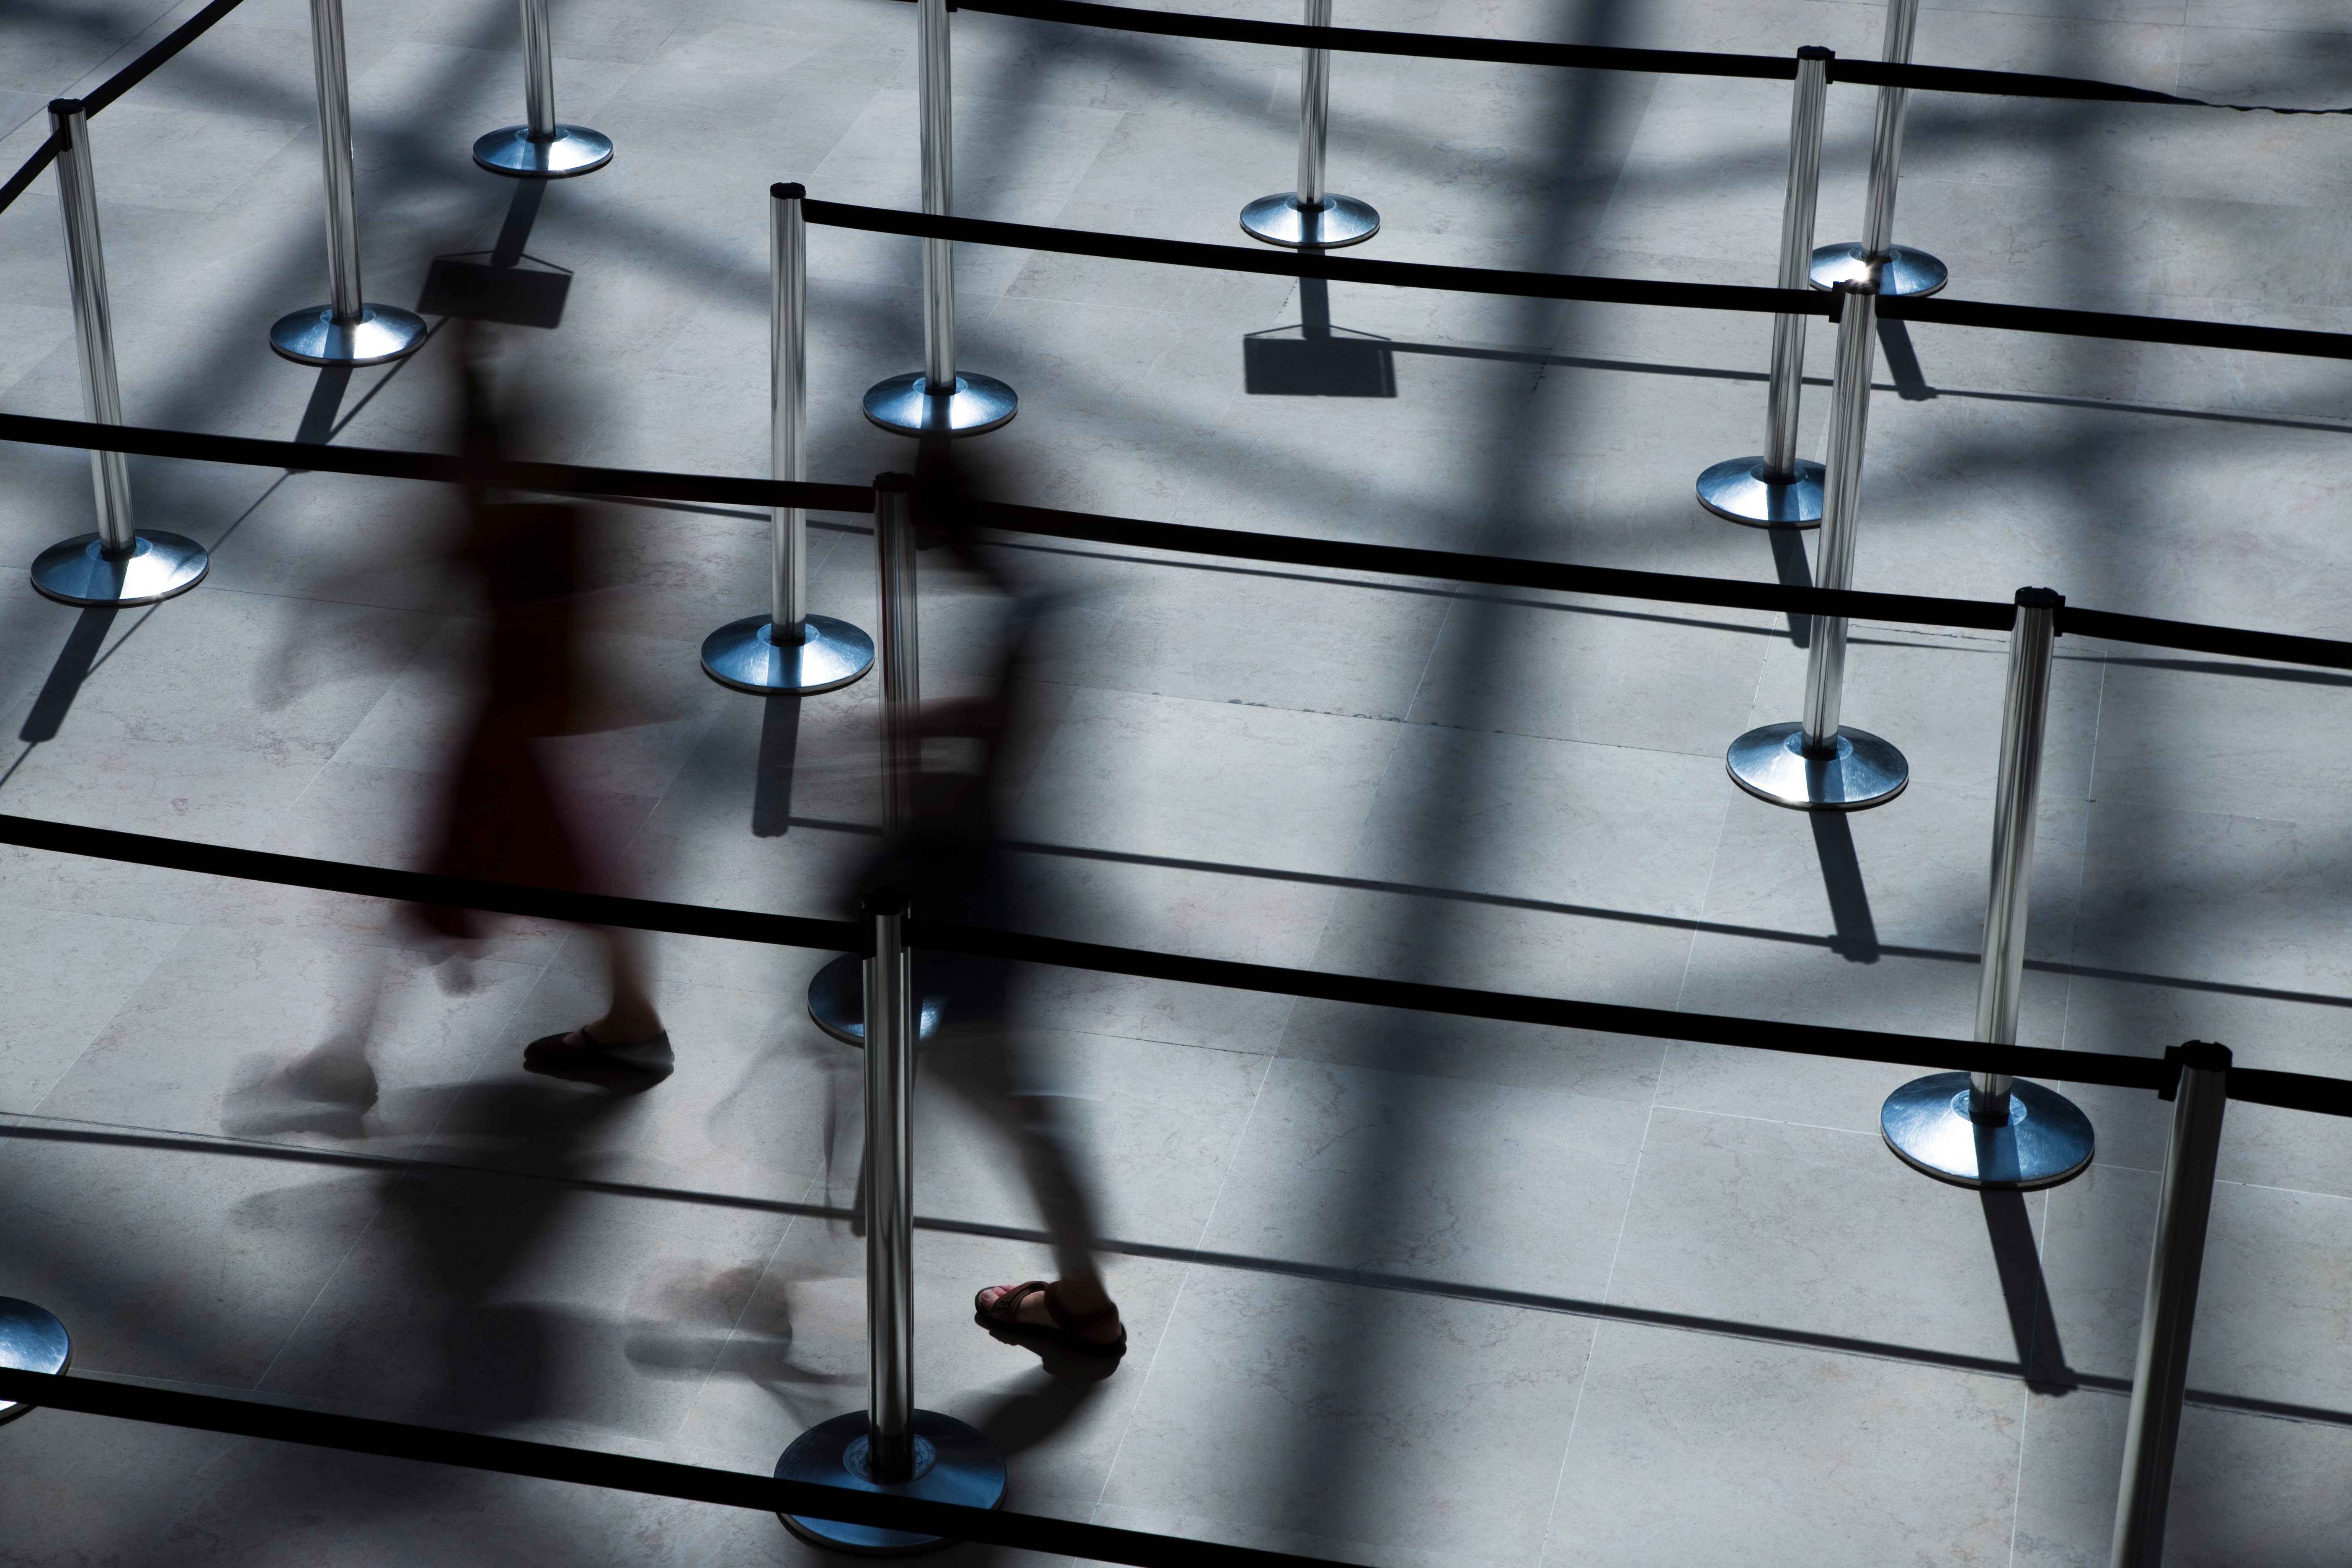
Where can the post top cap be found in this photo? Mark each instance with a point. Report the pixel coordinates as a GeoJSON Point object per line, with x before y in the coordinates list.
{"type": "Point", "coordinates": [788, 190]}
{"type": "Point", "coordinates": [894, 483]}
{"type": "Point", "coordinates": [2041, 598]}
{"type": "Point", "coordinates": [1816, 52]}
{"type": "Point", "coordinates": [65, 106]}
{"type": "Point", "coordinates": [882, 901]}
{"type": "Point", "coordinates": [2204, 1056]}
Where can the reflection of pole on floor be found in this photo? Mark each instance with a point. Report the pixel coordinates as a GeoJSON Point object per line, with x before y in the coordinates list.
{"type": "Point", "coordinates": [837, 994]}
{"type": "Point", "coordinates": [939, 398]}
{"type": "Point", "coordinates": [116, 565]}
{"type": "Point", "coordinates": [1899, 268]}
{"type": "Point", "coordinates": [1987, 1129]}
{"type": "Point", "coordinates": [542, 149]}
{"type": "Point", "coordinates": [1778, 486]}
{"type": "Point", "coordinates": [1816, 765]}
{"type": "Point", "coordinates": [31, 1339]}
{"type": "Point", "coordinates": [2160, 1376]}
{"type": "Point", "coordinates": [787, 651]}
{"type": "Point", "coordinates": [890, 1447]}
{"type": "Point", "coordinates": [347, 330]}
{"type": "Point", "coordinates": [1312, 218]}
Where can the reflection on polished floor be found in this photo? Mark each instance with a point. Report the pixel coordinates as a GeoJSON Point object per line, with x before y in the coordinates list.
{"type": "Point", "coordinates": [1402, 1291]}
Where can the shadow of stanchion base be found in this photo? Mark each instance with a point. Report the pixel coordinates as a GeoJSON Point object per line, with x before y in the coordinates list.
{"type": "Point", "coordinates": [772, 786]}
{"type": "Point", "coordinates": [74, 663]}
{"type": "Point", "coordinates": [472, 286]}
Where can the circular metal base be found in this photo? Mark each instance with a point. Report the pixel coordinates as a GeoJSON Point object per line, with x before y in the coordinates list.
{"type": "Point", "coordinates": [80, 572]}
{"type": "Point", "coordinates": [1738, 490]}
{"type": "Point", "coordinates": [31, 1339]}
{"type": "Point", "coordinates": [904, 406]}
{"type": "Point", "coordinates": [1904, 270]}
{"type": "Point", "coordinates": [381, 334]}
{"type": "Point", "coordinates": [953, 1463]}
{"type": "Point", "coordinates": [836, 1001]}
{"type": "Point", "coordinates": [2045, 1141]}
{"type": "Point", "coordinates": [1770, 763]}
{"type": "Point", "coordinates": [1280, 220]}
{"type": "Point", "coordinates": [745, 654]}
{"type": "Point", "coordinates": [572, 150]}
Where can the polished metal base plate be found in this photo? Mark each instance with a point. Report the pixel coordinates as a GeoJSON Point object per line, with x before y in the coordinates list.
{"type": "Point", "coordinates": [381, 334]}
{"type": "Point", "coordinates": [953, 1463]}
{"type": "Point", "coordinates": [1770, 763]}
{"type": "Point", "coordinates": [1737, 489]}
{"type": "Point", "coordinates": [836, 1001]}
{"type": "Point", "coordinates": [31, 1339]}
{"type": "Point", "coordinates": [80, 572]}
{"type": "Point", "coordinates": [904, 406]}
{"type": "Point", "coordinates": [1280, 220]}
{"type": "Point", "coordinates": [1904, 270]}
{"type": "Point", "coordinates": [572, 150]}
{"type": "Point", "coordinates": [2045, 1141]}
{"type": "Point", "coordinates": [745, 654]}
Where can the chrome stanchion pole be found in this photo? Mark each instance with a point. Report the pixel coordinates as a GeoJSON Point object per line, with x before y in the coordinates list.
{"type": "Point", "coordinates": [1988, 1130]}
{"type": "Point", "coordinates": [542, 149]}
{"type": "Point", "coordinates": [1312, 218]}
{"type": "Point", "coordinates": [787, 651]}
{"type": "Point", "coordinates": [347, 330]}
{"type": "Point", "coordinates": [116, 565]}
{"type": "Point", "coordinates": [890, 1447]}
{"type": "Point", "coordinates": [1899, 268]}
{"type": "Point", "coordinates": [940, 399]}
{"type": "Point", "coordinates": [1779, 487]}
{"type": "Point", "coordinates": [2160, 1377]}
{"type": "Point", "coordinates": [836, 998]}
{"type": "Point", "coordinates": [1815, 763]}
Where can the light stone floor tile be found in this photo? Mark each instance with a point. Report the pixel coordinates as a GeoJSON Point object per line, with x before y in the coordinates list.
{"type": "Point", "coordinates": [1398, 1392]}
{"type": "Point", "coordinates": [1698, 1449]}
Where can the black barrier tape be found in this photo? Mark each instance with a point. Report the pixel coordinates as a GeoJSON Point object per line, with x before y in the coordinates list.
{"type": "Point", "coordinates": [1503, 572]}
{"type": "Point", "coordinates": [2290, 1091]}
{"type": "Point", "coordinates": [2279, 647]}
{"type": "Point", "coordinates": [1574, 286]}
{"type": "Point", "coordinates": [1666, 587]}
{"type": "Point", "coordinates": [2122, 329]}
{"type": "Point", "coordinates": [1317, 264]}
{"type": "Point", "coordinates": [424, 888]}
{"type": "Point", "coordinates": [558, 478]}
{"type": "Point", "coordinates": [1591, 57]}
{"type": "Point", "coordinates": [1608, 1017]}
{"type": "Point", "coordinates": [626, 1472]}
{"type": "Point", "coordinates": [115, 86]}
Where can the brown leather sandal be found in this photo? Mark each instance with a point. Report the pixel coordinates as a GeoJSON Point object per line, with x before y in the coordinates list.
{"type": "Point", "coordinates": [1066, 1326]}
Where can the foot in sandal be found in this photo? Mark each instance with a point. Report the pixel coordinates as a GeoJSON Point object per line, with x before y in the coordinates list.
{"type": "Point", "coordinates": [583, 1058]}
{"type": "Point", "coordinates": [1034, 1306]}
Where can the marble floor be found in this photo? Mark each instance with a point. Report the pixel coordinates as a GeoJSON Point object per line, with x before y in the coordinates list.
{"type": "Point", "coordinates": [1402, 1291]}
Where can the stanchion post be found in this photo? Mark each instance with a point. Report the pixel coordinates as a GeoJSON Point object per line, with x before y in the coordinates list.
{"type": "Point", "coordinates": [1988, 1130]}
{"type": "Point", "coordinates": [1899, 268]}
{"type": "Point", "coordinates": [1777, 488]}
{"type": "Point", "coordinates": [348, 329]}
{"type": "Point", "coordinates": [890, 1447]}
{"type": "Point", "coordinates": [116, 565]}
{"type": "Point", "coordinates": [940, 399]}
{"type": "Point", "coordinates": [787, 652]}
{"type": "Point", "coordinates": [836, 998]}
{"type": "Point", "coordinates": [2160, 1376]}
{"type": "Point", "coordinates": [1312, 218]}
{"type": "Point", "coordinates": [540, 149]}
{"type": "Point", "coordinates": [1817, 764]}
